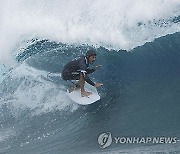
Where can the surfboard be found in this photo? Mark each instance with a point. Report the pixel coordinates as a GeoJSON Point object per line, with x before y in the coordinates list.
{"type": "Point", "coordinates": [76, 97]}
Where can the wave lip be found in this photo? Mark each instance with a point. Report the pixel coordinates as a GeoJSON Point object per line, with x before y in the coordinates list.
{"type": "Point", "coordinates": [123, 25]}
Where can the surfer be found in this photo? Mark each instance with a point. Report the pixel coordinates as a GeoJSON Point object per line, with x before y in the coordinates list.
{"type": "Point", "coordinates": [78, 69]}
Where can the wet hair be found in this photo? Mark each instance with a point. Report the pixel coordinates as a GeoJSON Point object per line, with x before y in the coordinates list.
{"type": "Point", "coordinates": [90, 53]}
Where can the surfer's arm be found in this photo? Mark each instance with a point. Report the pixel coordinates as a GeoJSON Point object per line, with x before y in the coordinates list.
{"type": "Point", "coordinates": [89, 71]}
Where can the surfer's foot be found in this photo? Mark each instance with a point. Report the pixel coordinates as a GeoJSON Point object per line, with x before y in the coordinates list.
{"type": "Point", "coordinates": [86, 94]}
{"type": "Point", "coordinates": [71, 89]}
{"type": "Point", "coordinates": [77, 87]}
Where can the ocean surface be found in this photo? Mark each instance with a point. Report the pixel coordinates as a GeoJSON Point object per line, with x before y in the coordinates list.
{"type": "Point", "coordinates": [138, 46]}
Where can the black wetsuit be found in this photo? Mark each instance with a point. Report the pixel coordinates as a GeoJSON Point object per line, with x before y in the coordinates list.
{"type": "Point", "coordinates": [73, 69]}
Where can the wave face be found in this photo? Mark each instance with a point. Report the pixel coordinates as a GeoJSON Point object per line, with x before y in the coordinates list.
{"type": "Point", "coordinates": [139, 98]}
{"type": "Point", "coordinates": [136, 42]}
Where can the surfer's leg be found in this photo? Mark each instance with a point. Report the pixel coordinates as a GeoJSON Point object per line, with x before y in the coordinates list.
{"type": "Point", "coordinates": [82, 82]}
{"type": "Point", "coordinates": [71, 89]}
{"type": "Point", "coordinates": [69, 77]}
{"type": "Point", "coordinates": [78, 84]}
{"type": "Point", "coordinates": [75, 86]}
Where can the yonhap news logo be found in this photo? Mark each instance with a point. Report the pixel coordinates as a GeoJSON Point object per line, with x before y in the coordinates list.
{"type": "Point", "coordinates": [105, 140]}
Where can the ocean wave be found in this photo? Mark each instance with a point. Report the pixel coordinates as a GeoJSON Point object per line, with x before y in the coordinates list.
{"type": "Point", "coordinates": [112, 24]}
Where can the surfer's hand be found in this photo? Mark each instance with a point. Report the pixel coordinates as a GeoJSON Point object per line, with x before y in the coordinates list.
{"type": "Point", "coordinates": [97, 67]}
{"type": "Point", "coordinates": [98, 84]}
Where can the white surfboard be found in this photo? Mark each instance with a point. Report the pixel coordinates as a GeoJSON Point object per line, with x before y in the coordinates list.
{"type": "Point", "coordinates": [76, 97]}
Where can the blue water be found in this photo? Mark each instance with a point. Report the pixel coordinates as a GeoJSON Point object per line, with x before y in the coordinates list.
{"type": "Point", "coordinates": [139, 98]}
{"type": "Point", "coordinates": [140, 73]}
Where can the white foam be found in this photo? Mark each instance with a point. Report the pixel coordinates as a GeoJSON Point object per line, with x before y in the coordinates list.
{"type": "Point", "coordinates": [6, 133]}
{"type": "Point", "coordinates": [3, 71]}
{"type": "Point", "coordinates": [113, 24]}
{"type": "Point", "coordinates": [35, 93]}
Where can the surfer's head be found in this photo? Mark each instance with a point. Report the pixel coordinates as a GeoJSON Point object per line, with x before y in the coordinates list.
{"type": "Point", "coordinates": [91, 56]}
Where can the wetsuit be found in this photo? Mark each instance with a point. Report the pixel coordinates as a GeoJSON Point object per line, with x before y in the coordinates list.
{"type": "Point", "coordinates": [73, 69]}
